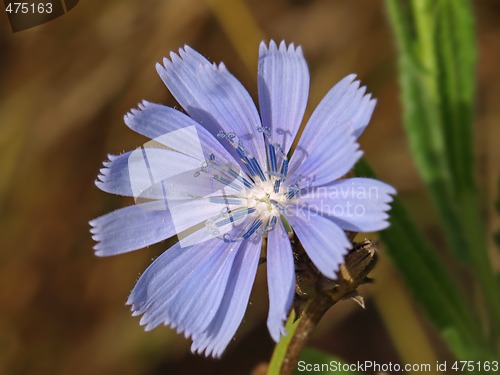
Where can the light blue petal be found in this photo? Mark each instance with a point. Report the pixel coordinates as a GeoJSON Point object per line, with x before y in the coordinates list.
{"type": "Point", "coordinates": [131, 228]}
{"type": "Point", "coordinates": [321, 160]}
{"type": "Point", "coordinates": [114, 177]}
{"type": "Point", "coordinates": [280, 279]}
{"type": "Point", "coordinates": [355, 204]}
{"type": "Point", "coordinates": [184, 296]}
{"type": "Point", "coordinates": [172, 129]}
{"type": "Point", "coordinates": [283, 81]}
{"type": "Point", "coordinates": [213, 97]}
{"type": "Point", "coordinates": [140, 172]}
{"type": "Point", "coordinates": [327, 147]}
{"type": "Point", "coordinates": [363, 115]}
{"type": "Point", "coordinates": [345, 102]}
{"type": "Point", "coordinates": [218, 335]}
{"type": "Point", "coordinates": [230, 226]}
{"type": "Point", "coordinates": [203, 293]}
{"type": "Point", "coordinates": [155, 121]}
{"type": "Point", "coordinates": [164, 277]}
{"type": "Point", "coordinates": [172, 179]}
{"type": "Point", "coordinates": [323, 240]}
{"type": "Point", "coordinates": [152, 173]}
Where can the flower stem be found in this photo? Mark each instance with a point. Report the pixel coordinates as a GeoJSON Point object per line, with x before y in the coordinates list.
{"type": "Point", "coordinates": [315, 294]}
{"type": "Point", "coordinates": [311, 316]}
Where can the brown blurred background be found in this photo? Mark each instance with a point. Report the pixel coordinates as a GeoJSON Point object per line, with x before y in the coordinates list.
{"type": "Point", "coordinates": [65, 87]}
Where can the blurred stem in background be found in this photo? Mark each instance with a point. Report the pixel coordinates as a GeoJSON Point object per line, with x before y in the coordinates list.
{"type": "Point", "coordinates": [437, 64]}
{"type": "Point", "coordinates": [240, 27]}
{"type": "Point", "coordinates": [437, 56]}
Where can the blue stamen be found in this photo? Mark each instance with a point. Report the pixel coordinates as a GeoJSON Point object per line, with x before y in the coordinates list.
{"type": "Point", "coordinates": [277, 204]}
{"type": "Point", "coordinates": [235, 215]}
{"type": "Point", "coordinates": [277, 184]}
{"type": "Point", "coordinates": [256, 166]}
{"type": "Point", "coordinates": [241, 179]}
{"type": "Point", "coordinates": [225, 200]}
{"type": "Point", "coordinates": [272, 223]}
{"type": "Point", "coordinates": [226, 182]}
{"type": "Point", "coordinates": [244, 158]}
{"type": "Point", "coordinates": [252, 229]}
{"type": "Point", "coordinates": [284, 168]}
{"type": "Point", "coordinates": [292, 191]}
{"type": "Point", "coordinates": [272, 158]}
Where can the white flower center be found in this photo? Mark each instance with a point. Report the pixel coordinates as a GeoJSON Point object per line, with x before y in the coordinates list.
{"type": "Point", "coordinates": [254, 197]}
{"type": "Point", "coordinates": [264, 198]}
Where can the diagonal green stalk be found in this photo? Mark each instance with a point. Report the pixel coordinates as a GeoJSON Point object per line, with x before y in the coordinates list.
{"type": "Point", "coordinates": [420, 95]}
{"type": "Point", "coordinates": [429, 280]}
{"type": "Point", "coordinates": [282, 347]}
{"type": "Point", "coordinates": [437, 57]}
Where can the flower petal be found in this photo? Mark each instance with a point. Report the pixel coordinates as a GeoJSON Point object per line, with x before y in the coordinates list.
{"type": "Point", "coordinates": [345, 102]}
{"type": "Point", "coordinates": [330, 134]}
{"type": "Point", "coordinates": [215, 339]}
{"type": "Point", "coordinates": [214, 220]}
{"type": "Point", "coordinates": [165, 274]}
{"type": "Point", "coordinates": [131, 228]}
{"type": "Point", "coordinates": [176, 182]}
{"type": "Point", "coordinates": [213, 97]}
{"type": "Point", "coordinates": [155, 121]}
{"type": "Point", "coordinates": [161, 174]}
{"type": "Point", "coordinates": [139, 173]}
{"type": "Point", "coordinates": [355, 204]}
{"type": "Point", "coordinates": [183, 287]}
{"type": "Point", "coordinates": [283, 81]}
{"type": "Point", "coordinates": [323, 240]}
{"type": "Point", "coordinates": [318, 161]}
{"type": "Point", "coordinates": [280, 279]}
{"type": "Point", "coordinates": [114, 177]}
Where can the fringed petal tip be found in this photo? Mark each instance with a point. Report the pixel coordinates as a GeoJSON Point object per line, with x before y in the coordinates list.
{"type": "Point", "coordinates": [276, 327]}
{"type": "Point", "coordinates": [143, 105]}
{"type": "Point", "coordinates": [184, 54]}
{"type": "Point", "coordinates": [113, 176]}
{"type": "Point", "coordinates": [200, 291]}
{"type": "Point", "coordinates": [190, 59]}
{"type": "Point", "coordinates": [130, 228]}
{"type": "Point", "coordinates": [342, 252]}
{"type": "Point", "coordinates": [95, 231]}
{"type": "Point", "coordinates": [273, 47]}
{"type": "Point", "coordinates": [390, 191]}
{"type": "Point", "coordinates": [96, 236]}
{"type": "Point", "coordinates": [362, 102]}
{"type": "Point", "coordinates": [205, 351]}
{"type": "Point", "coordinates": [105, 171]}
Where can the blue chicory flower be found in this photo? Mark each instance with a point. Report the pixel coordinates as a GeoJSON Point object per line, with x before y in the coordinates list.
{"type": "Point", "coordinates": [222, 181]}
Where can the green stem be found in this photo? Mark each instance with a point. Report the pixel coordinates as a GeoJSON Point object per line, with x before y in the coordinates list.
{"type": "Point", "coordinates": [304, 328]}
{"type": "Point", "coordinates": [486, 277]}
{"type": "Point", "coordinates": [319, 294]}
{"type": "Point", "coordinates": [438, 124]}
